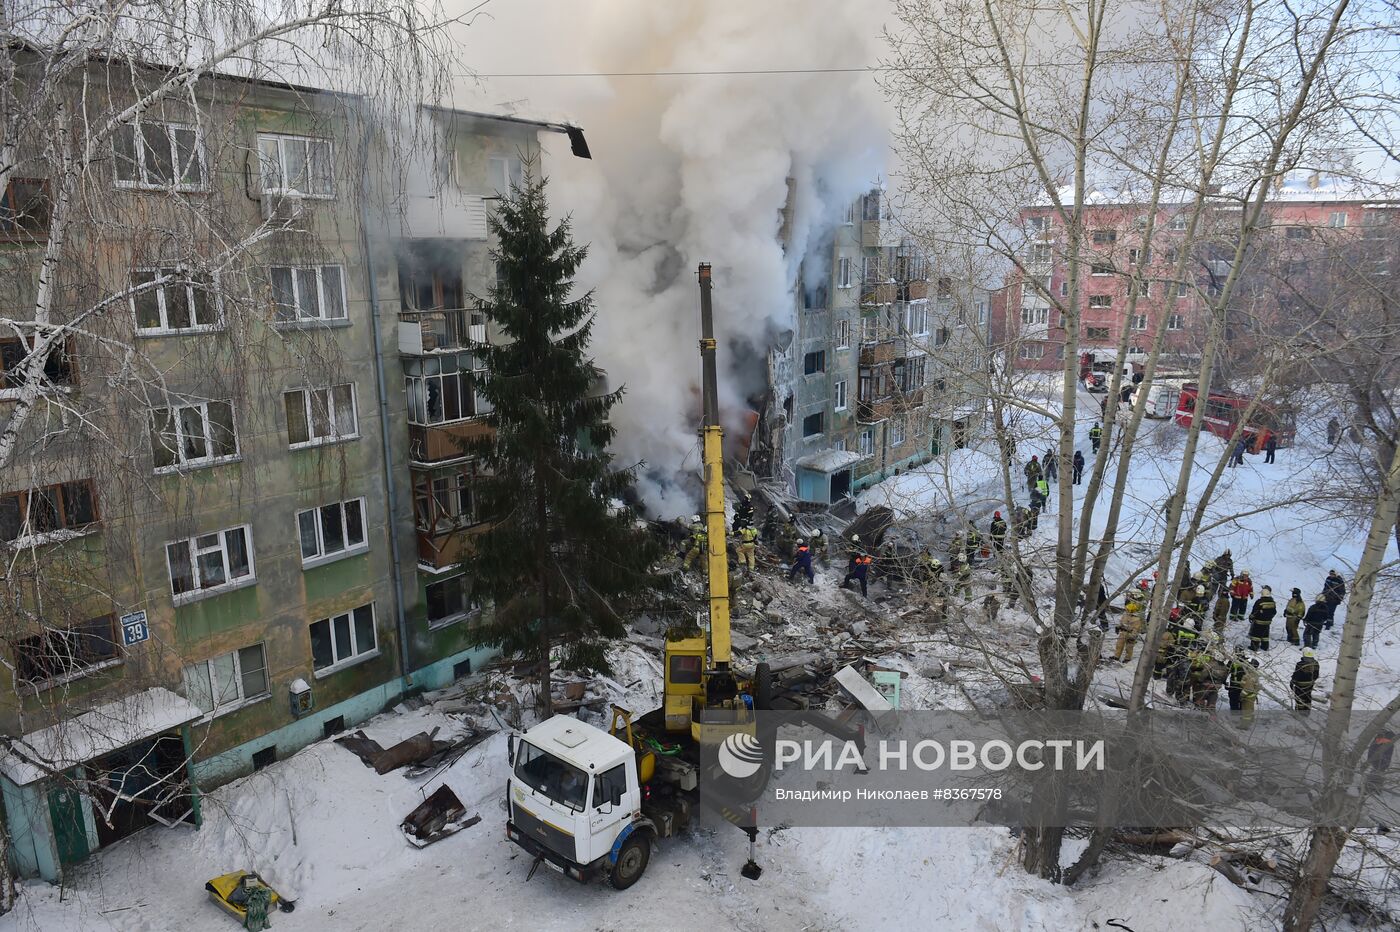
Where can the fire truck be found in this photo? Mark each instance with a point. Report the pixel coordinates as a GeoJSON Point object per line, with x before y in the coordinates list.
{"type": "Point", "coordinates": [1223, 412]}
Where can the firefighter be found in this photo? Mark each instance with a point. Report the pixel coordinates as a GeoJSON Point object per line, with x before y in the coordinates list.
{"type": "Point", "coordinates": [1179, 667]}
{"type": "Point", "coordinates": [1226, 562]}
{"type": "Point", "coordinates": [1304, 678]}
{"type": "Point", "coordinates": [1207, 673]}
{"type": "Point", "coordinates": [972, 543]}
{"type": "Point", "coordinates": [1241, 589]}
{"type": "Point", "coordinates": [1193, 606]}
{"type": "Point", "coordinates": [1052, 464]}
{"type": "Point", "coordinates": [1249, 692]}
{"type": "Point", "coordinates": [1222, 612]}
{"type": "Point", "coordinates": [1042, 495]}
{"type": "Point", "coordinates": [1260, 617]}
{"type": "Point", "coordinates": [1096, 436]}
{"type": "Point", "coordinates": [962, 576]}
{"type": "Point", "coordinates": [1292, 614]}
{"type": "Point", "coordinates": [1313, 621]}
{"type": "Point", "coordinates": [1078, 464]}
{"type": "Point", "coordinates": [743, 512]}
{"type": "Point", "coordinates": [1216, 580]}
{"type": "Point", "coordinates": [1033, 473]}
{"type": "Point", "coordinates": [699, 540]}
{"type": "Point", "coordinates": [1234, 689]}
{"type": "Point", "coordinates": [748, 546]}
{"type": "Point", "coordinates": [998, 532]}
{"type": "Point", "coordinates": [1334, 591]}
{"type": "Point", "coordinates": [787, 538]}
{"type": "Point", "coordinates": [859, 570]}
{"type": "Point", "coordinates": [802, 560]}
{"type": "Point", "coordinates": [1378, 758]}
{"type": "Point", "coordinates": [1129, 626]}
{"type": "Point", "coordinates": [1166, 643]}
{"type": "Point", "coordinates": [818, 545]}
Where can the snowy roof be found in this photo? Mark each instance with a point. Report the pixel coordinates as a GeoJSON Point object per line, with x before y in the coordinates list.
{"type": "Point", "coordinates": [96, 732]}
{"type": "Point", "coordinates": [1297, 187]}
{"type": "Point", "coordinates": [577, 742]}
{"type": "Point", "coordinates": [829, 460]}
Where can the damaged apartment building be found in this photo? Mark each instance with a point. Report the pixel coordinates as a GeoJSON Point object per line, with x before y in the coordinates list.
{"type": "Point", "coordinates": [273, 555]}
{"type": "Point", "coordinates": [881, 372]}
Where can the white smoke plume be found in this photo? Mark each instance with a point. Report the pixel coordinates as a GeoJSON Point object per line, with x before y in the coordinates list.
{"type": "Point", "coordinates": [691, 169]}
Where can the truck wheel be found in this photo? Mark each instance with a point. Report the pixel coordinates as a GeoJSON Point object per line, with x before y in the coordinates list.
{"type": "Point", "coordinates": [631, 861]}
{"type": "Point", "coordinates": [763, 687]}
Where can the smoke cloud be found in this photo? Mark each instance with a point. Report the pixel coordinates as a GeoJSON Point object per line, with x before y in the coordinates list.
{"type": "Point", "coordinates": [690, 169]}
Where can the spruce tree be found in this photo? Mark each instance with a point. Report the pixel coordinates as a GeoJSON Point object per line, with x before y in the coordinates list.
{"type": "Point", "coordinates": [560, 547]}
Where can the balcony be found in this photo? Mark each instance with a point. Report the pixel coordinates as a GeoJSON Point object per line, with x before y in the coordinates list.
{"type": "Point", "coordinates": [914, 289]}
{"type": "Point", "coordinates": [873, 293]}
{"type": "Point", "coordinates": [440, 331]}
{"type": "Point", "coordinates": [444, 442]}
{"type": "Point", "coordinates": [443, 550]}
{"type": "Point", "coordinates": [878, 233]}
{"type": "Point", "coordinates": [874, 354]}
{"type": "Point", "coordinates": [868, 412]}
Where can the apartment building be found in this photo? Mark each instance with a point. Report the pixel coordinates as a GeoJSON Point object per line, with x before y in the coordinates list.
{"type": "Point", "coordinates": [249, 543]}
{"type": "Point", "coordinates": [878, 374]}
{"type": "Point", "coordinates": [1303, 210]}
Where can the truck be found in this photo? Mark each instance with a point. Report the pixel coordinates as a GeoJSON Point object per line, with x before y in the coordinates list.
{"type": "Point", "coordinates": [589, 803]}
{"type": "Point", "coordinates": [1096, 368]}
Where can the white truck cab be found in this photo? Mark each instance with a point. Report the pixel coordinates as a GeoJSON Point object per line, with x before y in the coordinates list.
{"type": "Point", "coordinates": [574, 802]}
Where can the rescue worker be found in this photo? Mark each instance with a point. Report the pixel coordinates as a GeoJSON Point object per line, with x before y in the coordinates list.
{"type": "Point", "coordinates": [818, 545]}
{"type": "Point", "coordinates": [1249, 692]}
{"type": "Point", "coordinates": [1234, 689]}
{"type": "Point", "coordinates": [1378, 758]}
{"type": "Point", "coordinates": [1313, 621]}
{"type": "Point", "coordinates": [972, 543]}
{"type": "Point", "coordinates": [770, 524]}
{"type": "Point", "coordinates": [1078, 464]}
{"type": "Point", "coordinates": [1129, 626]}
{"type": "Point", "coordinates": [1260, 617]}
{"type": "Point", "coordinates": [1216, 580]}
{"type": "Point", "coordinates": [1304, 678]}
{"type": "Point", "coordinates": [1021, 522]}
{"type": "Point", "coordinates": [1226, 562]}
{"type": "Point", "coordinates": [1096, 436]}
{"type": "Point", "coordinates": [1179, 667]}
{"type": "Point", "coordinates": [962, 576]}
{"type": "Point", "coordinates": [998, 533]}
{"type": "Point", "coordinates": [1052, 464]}
{"type": "Point", "coordinates": [699, 541]}
{"type": "Point", "coordinates": [1166, 644]}
{"type": "Point", "coordinates": [1207, 673]}
{"type": "Point", "coordinates": [1042, 492]}
{"type": "Point", "coordinates": [1033, 473]}
{"type": "Point", "coordinates": [802, 560]}
{"type": "Point", "coordinates": [748, 546]}
{"type": "Point", "coordinates": [1237, 455]}
{"type": "Point", "coordinates": [1193, 607]}
{"type": "Point", "coordinates": [1241, 589]}
{"type": "Point", "coordinates": [1292, 614]}
{"type": "Point", "coordinates": [787, 538]}
{"type": "Point", "coordinates": [1270, 448]}
{"type": "Point", "coordinates": [1221, 612]}
{"type": "Point", "coordinates": [859, 570]}
{"type": "Point", "coordinates": [932, 569]}
{"type": "Point", "coordinates": [743, 512]}
{"type": "Point", "coordinates": [1334, 592]}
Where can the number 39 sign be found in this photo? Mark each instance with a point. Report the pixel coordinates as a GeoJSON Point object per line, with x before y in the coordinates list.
{"type": "Point", "coordinates": [134, 628]}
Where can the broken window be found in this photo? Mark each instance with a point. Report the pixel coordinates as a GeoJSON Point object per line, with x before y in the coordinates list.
{"type": "Point", "coordinates": [813, 424]}
{"type": "Point", "coordinates": [443, 502]}
{"type": "Point", "coordinates": [68, 506]}
{"type": "Point", "coordinates": [199, 434]}
{"type": "Point", "coordinates": [24, 209]}
{"type": "Point", "coordinates": [159, 155]}
{"type": "Point", "coordinates": [813, 363]}
{"type": "Point", "coordinates": [448, 601]}
{"type": "Point", "coordinates": [299, 165]}
{"type": "Point", "coordinates": [444, 388]}
{"type": "Point", "coordinates": [59, 368]}
{"type": "Point", "coordinates": [62, 653]}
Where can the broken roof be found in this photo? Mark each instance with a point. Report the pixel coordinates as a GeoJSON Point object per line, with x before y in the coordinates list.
{"type": "Point", "coordinates": [829, 460]}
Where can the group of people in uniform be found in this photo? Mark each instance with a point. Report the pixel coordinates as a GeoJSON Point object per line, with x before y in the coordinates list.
{"type": "Point", "coordinates": [1196, 662]}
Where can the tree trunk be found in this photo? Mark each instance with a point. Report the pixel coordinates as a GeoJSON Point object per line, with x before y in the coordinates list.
{"type": "Point", "coordinates": [1323, 851]}
{"type": "Point", "coordinates": [546, 602]}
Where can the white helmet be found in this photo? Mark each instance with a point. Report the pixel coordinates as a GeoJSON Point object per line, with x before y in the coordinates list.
{"type": "Point", "coordinates": [1309, 652]}
{"type": "Point", "coordinates": [694, 519]}
{"type": "Point", "coordinates": [855, 538]}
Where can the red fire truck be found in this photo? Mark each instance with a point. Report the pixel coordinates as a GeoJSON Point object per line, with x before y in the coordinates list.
{"type": "Point", "coordinates": [1224, 410]}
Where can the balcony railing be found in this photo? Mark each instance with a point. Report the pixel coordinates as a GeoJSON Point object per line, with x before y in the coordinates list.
{"type": "Point", "coordinates": [442, 442]}
{"type": "Point", "coordinates": [440, 331]}
{"type": "Point", "coordinates": [446, 549]}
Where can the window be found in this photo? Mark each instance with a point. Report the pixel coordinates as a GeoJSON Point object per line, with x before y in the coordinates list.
{"type": "Point", "coordinates": [916, 368]}
{"type": "Point", "coordinates": [24, 209]}
{"type": "Point", "coordinates": [1031, 350]}
{"type": "Point", "coordinates": [296, 165]}
{"type": "Point", "coordinates": [1096, 333]}
{"type": "Point", "coordinates": [1182, 288]}
{"type": "Point", "coordinates": [1337, 218]}
{"type": "Point", "coordinates": [1064, 288]}
{"type": "Point", "coordinates": [1099, 269]}
{"type": "Point", "coordinates": [839, 446]}
{"type": "Point", "coordinates": [1178, 223]}
{"type": "Point", "coordinates": [265, 758]}
{"type": "Point", "coordinates": [866, 442]}
{"type": "Point", "coordinates": [210, 561]}
{"type": "Point", "coordinates": [1037, 226]}
{"type": "Point", "coordinates": [1135, 254]}
{"type": "Point", "coordinates": [916, 317]}
{"type": "Point", "coordinates": [897, 432]}
{"type": "Point", "coordinates": [311, 292]}
{"type": "Point", "coordinates": [443, 503]}
{"type": "Point", "coordinates": [503, 174]}
{"type": "Point", "coordinates": [1175, 322]}
{"type": "Point", "coordinates": [869, 328]}
{"type": "Point", "coordinates": [1035, 315]}
{"type": "Point", "coordinates": [331, 530]}
{"type": "Point", "coordinates": [1104, 237]}
{"type": "Point", "coordinates": [1035, 287]}
{"type": "Point", "coordinates": [814, 297]}
{"type": "Point", "coordinates": [158, 155]}
{"type": "Point", "coordinates": [609, 787]}
{"type": "Point", "coordinates": [199, 434]}
{"type": "Point", "coordinates": [870, 206]}
{"type": "Point", "coordinates": [1298, 233]}
{"type": "Point", "coordinates": [942, 337]}
{"type": "Point", "coordinates": [812, 424]}
{"type": "Point", "coordinates": [1039, 254]}
{"type": "Point", "coordinates": [444, 388]}
{"type": "Point", "coordinates": [843, 272]}
{"type": "Point", "coordinates": [321, 415]}
{"type": "Point", "coordinates": [448, 601]}
{"type": "Point", "coordinates": [64, 653]}
{"type": "Point", "coordinates": [815, 362]}
{"type": "Point", "coordinates": [1144, 289]}
{"type": "Point", "coordinates": [227, 682]}
{"type": "Point", "coordinates": [864, 387]}
{"type": "Point", "coordinates": [838, 395]}
{"type": "Point", "coordinates": [1139, 322]}
{"type": "Point", "coordinates": [59, 369]}
{"type": "Point", "coordinates": [850, 214]}
{"type": "Point", "coordinates": [843, 333]}
{"type": "Point", "coordinates": [1100, 300]}
{"type": "Point", "coordinates": [343, 639]}
{"type": "Point", "coordinates": [36, 515]}
{"type": "Point", "coordinates": [981, 312]}
{"type": "Point", "coordinates": [173, 300]}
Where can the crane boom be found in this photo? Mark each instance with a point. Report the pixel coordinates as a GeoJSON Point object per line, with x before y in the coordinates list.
{"type": "Point", "coordinates": [712, 435]}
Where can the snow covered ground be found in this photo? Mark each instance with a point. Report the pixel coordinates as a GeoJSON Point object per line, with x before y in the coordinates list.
{"type": "Point", "coordinates": [323, 828]}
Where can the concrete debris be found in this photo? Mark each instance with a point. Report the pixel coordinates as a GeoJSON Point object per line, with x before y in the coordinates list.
{"type": "Point", "coordinates": [860, 691]}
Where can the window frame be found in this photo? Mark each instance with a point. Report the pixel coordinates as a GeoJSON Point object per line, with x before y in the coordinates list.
{"type": "Point", "coordinates": [182, 279]}
{"type": "Point", "coordinates": [194, 552]}
{"type": "Point", "coordinates": [1138, 321]}
{"type": "Point", "coordinates": [844, 276]}
{"type": "Point", "coordinates": [281, 139]}
{"type": "Point", "coordinates": [430, 515]}
{"type": "Point", "coordinates": [1023, 351]}
{"type": "Point", "coordinates": [21, 658]}
{"type": "Point", "coordinates": [1034, 316]}
{"type": "Point", "coordinates": [817, 360]}
{"type": "Point", "coordinates": [357, 656]}
{"type": "Point", "coordinates": [243, 700]}
{"type": "Point", "coordinates": [843, 334]}
{"type": "Point", "coordinates": [821, 425]}
{"type": "Point", "coordinates": [1176, 322]}
{"type": "Point", "coordinates": [840, 395]}
{"type": "Point", "coordinates": [12, 230]}
{"type": "Point", "coordinates": [418, 398]}
{"type": "Point", "coordinates": [1104, 334]}
{"type": "Point", "coordinates": [323, 556]}
{"type": "Point", "coordinates": [865, 442]}
{"type": "Point", "coordinates": [308, 414]}
{"type": "Point", "coordinates": [897, 437]}
{"type": "Point", "coordinates": [139, 150]}
{"type": "Point", "coordinates": [297, 318]}
{"type": "Point", "coordinates": [1100, 301]}
{"type": "Point", "coordinates": [512, 173]}
{"type": "Point", "coordinates": [471, 608]}
{"type": "Point", "coordinates": [1334, 216]}
{"type": "Point", "coordinates": [24, 499]}
{"type": "Point", "coordinates": [177, 422]}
